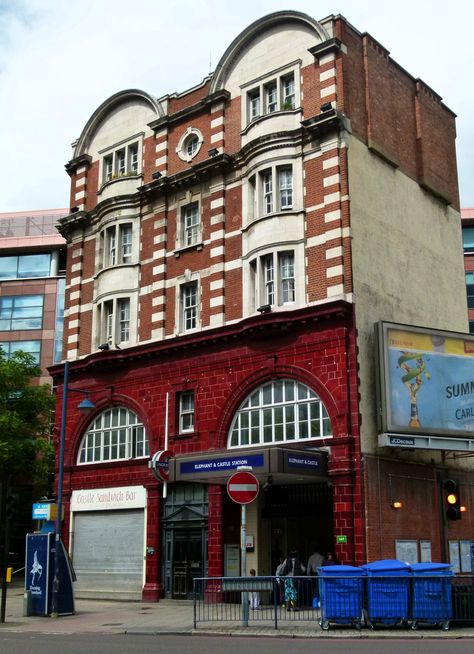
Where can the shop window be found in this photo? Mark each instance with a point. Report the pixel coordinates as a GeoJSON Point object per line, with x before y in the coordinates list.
{"type": "Point", "coordinates": [21, 312]}
{"type": "Point", "coordinates": [186, 412]}
{"type": "Point", "coordinates": [116, 434]}
{"type": "Point", "coordinates": [283, 411]}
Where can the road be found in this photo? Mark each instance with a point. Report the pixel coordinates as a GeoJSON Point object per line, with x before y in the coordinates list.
{"type": "Point", "coordinates": [22, 643]}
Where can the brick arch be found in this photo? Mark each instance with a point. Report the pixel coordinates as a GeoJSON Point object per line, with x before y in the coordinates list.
{"type": "Point", "coordinates": [81, 426]}
{"type": "Point", "coordinates": [270, 374]}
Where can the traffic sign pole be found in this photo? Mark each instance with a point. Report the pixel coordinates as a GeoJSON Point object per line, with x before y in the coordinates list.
{"type": "Point", "coordinates": [243, 553]}
{"type": "Point", "coordinates": [243, 488]}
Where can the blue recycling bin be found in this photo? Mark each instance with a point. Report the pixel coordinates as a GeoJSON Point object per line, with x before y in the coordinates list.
{"type": "Point", "coordinates": [431, 594]}
{"type": "Point", "coordinates": [340, 591]}
{"type": "Point", "coordinates": [387, 592]}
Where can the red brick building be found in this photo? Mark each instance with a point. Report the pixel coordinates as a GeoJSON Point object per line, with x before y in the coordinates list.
{"type": "Point", "coordinates": [230, 249]}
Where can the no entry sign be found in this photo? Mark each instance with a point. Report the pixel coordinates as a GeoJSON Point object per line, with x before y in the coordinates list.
{"type": "Point", "coordinates": [243, 487]}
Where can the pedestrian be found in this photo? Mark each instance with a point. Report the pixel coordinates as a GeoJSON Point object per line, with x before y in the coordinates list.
{"type": "Point", "coordinates": [293, 568]}
{"type": "Point", "coordinates": [330, 559]}
{"type": "Point", "coordinates": [254, 596]}
{"type": "Point", "coordinates": [314, 562]}
{"type": "Point", "coordinates": [278, 575]}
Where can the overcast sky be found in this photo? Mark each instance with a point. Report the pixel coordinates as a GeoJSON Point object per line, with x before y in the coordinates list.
{"type": "Point", "coordinates": [59, 60]}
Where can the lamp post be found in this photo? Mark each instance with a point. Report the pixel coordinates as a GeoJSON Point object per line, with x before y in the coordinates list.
{"type": "Point", "coordinates": [85, 406]}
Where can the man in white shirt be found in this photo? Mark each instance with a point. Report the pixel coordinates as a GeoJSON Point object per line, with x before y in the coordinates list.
{"type": "Point", "coordinates": [314, 562]}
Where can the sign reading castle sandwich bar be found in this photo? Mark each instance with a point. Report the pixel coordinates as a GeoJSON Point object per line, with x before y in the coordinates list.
{"type": "Point", "coordinates": [426, 381]}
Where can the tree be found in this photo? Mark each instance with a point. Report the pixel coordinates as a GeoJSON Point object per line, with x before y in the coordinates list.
{"type": "Point", "coordinates": [26, 450]}
{"type": "Point", "coordinates": [25, 419]}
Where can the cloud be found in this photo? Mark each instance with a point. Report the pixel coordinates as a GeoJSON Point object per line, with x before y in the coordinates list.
{"type": "Point", "coordinates": [61, 60]}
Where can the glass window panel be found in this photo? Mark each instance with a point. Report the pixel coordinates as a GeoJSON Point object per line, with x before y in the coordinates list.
{"type": "Point", "coordinates": [267, 394]}
{"type": "Point", "coordinates": [255, 398]}
{"type": "Point", "coordinates": [8, 267]}
{"type": "Point", "coordinates": [326, 426]}
{"type": "Point", "coordinates": [277, 416]}
{"type": "Point", "coordinates": [34, 265]}
{"type": "Point", "coordinates": [244, 436]}
{"type": "Point", "coordinates": [278, 423]}
{"type": "Point", "coordinates": [278, 392]}
{"type": "Point", "coordinates": [315, 428]}
{"type": "Point", "coordinates": [302, 392]}
{"type": "Point", "coordinates": [104, 444]}
{"type": "Point", "coordinates": [289, 391]}
{"type": "Point", "coordinates": [468, 238]}
{"type": "Point", "coordinates": [234, 440]}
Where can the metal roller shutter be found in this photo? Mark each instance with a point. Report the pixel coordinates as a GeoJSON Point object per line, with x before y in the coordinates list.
{"type": "Point", "coordinates": [108, 554]}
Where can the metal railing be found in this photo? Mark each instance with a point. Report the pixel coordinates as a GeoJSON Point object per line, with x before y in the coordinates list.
{"type": "Point", "coordinates": [255, 599]}
{"type": "Point", "coordinates": [463, 600]}
{"type": "Point", "coordinates": [365, 601]}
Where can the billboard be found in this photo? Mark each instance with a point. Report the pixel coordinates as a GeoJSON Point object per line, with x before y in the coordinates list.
{"type": "Point", "coordinates": [426, 380]}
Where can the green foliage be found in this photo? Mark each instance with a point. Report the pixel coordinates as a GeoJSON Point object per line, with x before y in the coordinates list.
{"type": "Point", "coordinates": [25, 419]}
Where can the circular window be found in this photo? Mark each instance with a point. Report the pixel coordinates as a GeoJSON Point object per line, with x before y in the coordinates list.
{"type": "Point", "coordinates": [192, 145]}
{"type": "Point", "coordinates": [189, 144]}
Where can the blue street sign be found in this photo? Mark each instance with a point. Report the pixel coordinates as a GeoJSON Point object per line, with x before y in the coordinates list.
{"type": "Point", "coordinates": [227, 463]}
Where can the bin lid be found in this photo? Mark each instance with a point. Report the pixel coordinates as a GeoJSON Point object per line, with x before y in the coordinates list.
{"type": "Point", "coordinates": [430, 567]}
{"type": "Point", "coordinates": [386, 565]}
{"type": "Point", "coordinates": [343, 570]}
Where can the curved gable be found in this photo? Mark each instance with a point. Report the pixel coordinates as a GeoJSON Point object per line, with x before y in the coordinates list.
{"type": "Point", "coordinates": [129, 110]}
{"type": "Point", "coordinates": [267, 38]}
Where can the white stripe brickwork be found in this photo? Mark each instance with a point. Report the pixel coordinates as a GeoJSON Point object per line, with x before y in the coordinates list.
{"type": "Point", "coordinates": [159, 274]}
{"type": "Point", "coordinates": [218, 126]}
{"type": "Point", "coordinates": [217, 253]}
{"type": "Point", "coordinates": [161, 151]}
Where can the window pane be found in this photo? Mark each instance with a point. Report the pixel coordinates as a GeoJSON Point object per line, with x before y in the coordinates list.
{"type": "Point", "coordinates": [271, 97]}
{"type": "Point", "coordinates": [468, 238]}
{"type": "Point", "coordinates": [278, 392]}
{"type": "Point", "coordinates": [267, 394]}
{"type": "Point", "coordinates": [285, 182]}
{"type": "Point", "coordinates": [34, 265]}
{"type": "Point", "coordinates": [8, 267]}
{"type": "Point", "coordinates": [279, 416]}
{"type": "Point", "coordinates": [30, 347]}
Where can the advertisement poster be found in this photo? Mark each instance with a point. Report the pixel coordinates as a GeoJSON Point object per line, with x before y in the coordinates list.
{"type": "Point", "coordinates": [37, 572]}
{"type": "Point", "coordinates": [430, 379]}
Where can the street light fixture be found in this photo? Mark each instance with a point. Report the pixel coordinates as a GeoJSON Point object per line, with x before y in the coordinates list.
{"type": "Point", "coordinates": [86, 406]}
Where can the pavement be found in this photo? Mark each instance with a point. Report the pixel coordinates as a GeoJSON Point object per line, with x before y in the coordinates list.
{"type": "Point", "coordinates": [175, 617]}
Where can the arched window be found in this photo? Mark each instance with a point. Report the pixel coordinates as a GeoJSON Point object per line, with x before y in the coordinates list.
{"type": "Point", "coordinates": [283, 411]}
{"type": "Point", "coordinates": [114, 435]}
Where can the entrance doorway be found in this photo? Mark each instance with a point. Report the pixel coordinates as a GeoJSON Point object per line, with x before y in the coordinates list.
{"type": "Point", "coordinates": [299, 517]}
{"type": "Point", "coordinates": [185, 539]}
{"type": "Point", "coordinates": [187, 561]}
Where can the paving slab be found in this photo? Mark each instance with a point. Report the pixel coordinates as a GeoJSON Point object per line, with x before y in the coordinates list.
{"type": "Point", "coordinates": [176, 618]}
